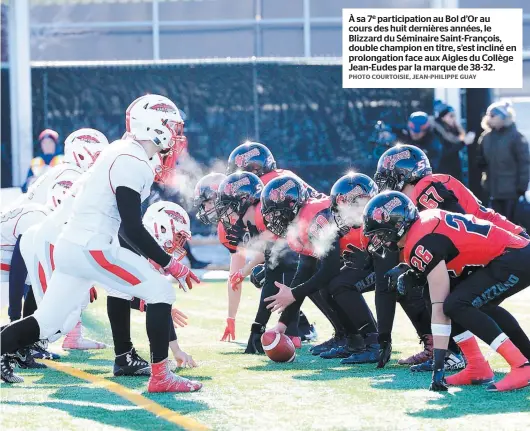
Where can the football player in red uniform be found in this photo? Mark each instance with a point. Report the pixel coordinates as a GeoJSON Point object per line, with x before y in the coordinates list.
{"type": "Point", "coordinates": [307, 224]}
{"type": "Point", "coordinates": [348, 200]}
{"type": "Point", "coordinates": [241, 230]}
{"type": "Point", "coordinates": [406, 169]}
{"type": "Point", "coordinates": [441, 244]}
{"type": "Point", "coordinates": [258, 159]}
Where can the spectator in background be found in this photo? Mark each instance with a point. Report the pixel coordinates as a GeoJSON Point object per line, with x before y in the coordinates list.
{"type": "Point", "coordinates": [420, 133]}
{"type": "Point", "coordinates": [452, 137]}
{"type": "Point", "coordinates": [503, 158]}
{"type": "Point", "coordinates": [47, 157]}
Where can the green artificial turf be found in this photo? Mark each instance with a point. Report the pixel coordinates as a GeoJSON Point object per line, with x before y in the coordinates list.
{"type": "Point", "coordinates": [250, 392]}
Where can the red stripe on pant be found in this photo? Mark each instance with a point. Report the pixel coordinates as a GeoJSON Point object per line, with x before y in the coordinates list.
{"type": "Point", "coordinates": [118, 271]}
{"type": "Point", "coordinates": [42, 278]}
{"type": "Point", "coordinates": [52, 263]}
{"type": "Point", "coordinates": [5, 267]}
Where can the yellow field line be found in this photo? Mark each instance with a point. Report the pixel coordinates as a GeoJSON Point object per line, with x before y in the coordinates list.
{"type": "Point", "coordinates": [132, 396]}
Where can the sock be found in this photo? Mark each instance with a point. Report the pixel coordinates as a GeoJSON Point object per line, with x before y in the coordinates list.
{"type": "Point", "coordinates": [119, 312]}
{"type": "Point", "coordinates": [19, 334]}
{"type": "Point", "coordinates": [470, 348]}
{"type": "Point", "coordinates": [30, 305]}
{"type": "Point", "coordinates": [157, 316]}
{"type": "Point", "coordinates": [439, 359]}
{"type": "Point", "coordinates": [503, 345]}
{"type": "Point", "coordinates": [510, 326]}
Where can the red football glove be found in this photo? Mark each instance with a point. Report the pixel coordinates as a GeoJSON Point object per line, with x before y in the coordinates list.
{"type": "Point", "coordinates": [236, 279]}
{"type": "Point", "coordinates": [230, 330]}
{"type": "Point", "coordinates": [93, 294]}
{"type": "Point", "coordinates": [181, 273]}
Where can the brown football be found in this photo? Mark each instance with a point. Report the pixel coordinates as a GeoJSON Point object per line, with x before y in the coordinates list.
{"type": "Point", "coordinates": [278, 347]}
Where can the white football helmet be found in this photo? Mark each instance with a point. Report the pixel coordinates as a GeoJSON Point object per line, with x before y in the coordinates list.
{"type": "Point", "coordinates": [83, 146]}
{"type": "Point", "coordinates": [156, 118]}
{"type": "Point", "coordinates": [169, 224]}
{"type": "Point", "coordinates": [58, 192]}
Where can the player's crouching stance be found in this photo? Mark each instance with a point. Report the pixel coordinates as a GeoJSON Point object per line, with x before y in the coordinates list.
{"type": "Point", "coordinates": [87, 250]}
{"type": "Point", "coordinates": [439, 243]}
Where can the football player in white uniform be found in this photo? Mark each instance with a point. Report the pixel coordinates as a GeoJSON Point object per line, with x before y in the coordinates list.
{"type": "Point", "coordinates": [81, 148]}
{"type": "Point", "coordinates": [87, 251]}
{"type": "Point", "coordinates": [14, 223]}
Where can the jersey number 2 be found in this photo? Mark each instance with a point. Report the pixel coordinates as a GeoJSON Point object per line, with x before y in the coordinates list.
{"type": "Point", "coordinates": [430, 199]}
{"type": "Point", "coordinates": [423, 257]}
{"type": "Point", "coordinates": [457, 221]}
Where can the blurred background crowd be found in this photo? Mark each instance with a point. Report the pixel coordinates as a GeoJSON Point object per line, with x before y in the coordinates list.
{"type": "Point", "coordinates": [262, 70]}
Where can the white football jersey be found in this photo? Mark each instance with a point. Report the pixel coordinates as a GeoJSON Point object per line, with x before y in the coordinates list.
{"type": "Point", "coordinates": [95, 211]}
{"type": "Point", "coordinates": [38, 191]}
{"type": "Point", "coordinates": [14, 222]}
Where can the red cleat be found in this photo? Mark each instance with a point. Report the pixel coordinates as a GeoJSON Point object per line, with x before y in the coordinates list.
{"type": "Point", "coordinates": [297, 341]}
{"type": "Point", "coordinates": [517, 378]}
{"type": "Point", "coordinates": [163, 380]}
{"type": "Point", "coordinates": [421, 357]}
{"type": "Point", "coordinates": [478, 373]}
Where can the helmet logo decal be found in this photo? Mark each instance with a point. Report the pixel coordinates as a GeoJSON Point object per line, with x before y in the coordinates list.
{"type": "Point", "coordinates": [278, 194]}
{"type": "Point", "coordinates": [316, 227]}
{"type": "Point", "coordinates": [89, 139]}
{"type": "Point", "coordinates": [389, 162]}
{"type": "Point", "coordinates": [163, 107]}
{"type": "Point", "coordinates": [176, 216]}
{"type": "Point", "coordinates": [231, 188]}
{"type": "Point", "coordinates": [242, 159]}
{"type": "Point", "coordinates": [349, 198]}
{"type": "Point", "coordinates": [382, 214]}
{"type": "Point", "coordinates": [65, 184]}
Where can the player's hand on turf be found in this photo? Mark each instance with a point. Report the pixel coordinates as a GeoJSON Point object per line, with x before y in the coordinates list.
{"type": "Point", "coordinates": [184, 360]}
{"type": "Point", "coordinates": [282, 299]}
{"type": "Point", "coordinates": [182, 274]}
{"type": "Point", "coordinates": [230, 330]}
{"type": "Point", "coordinates": [385, 351]}
{"type": "Point", "coordinates": [179, 318]}
{"type": "Point", "coordinates": [236, 279]}
{"type": "Point", "coordinates": [93, 294]}
{"type": "Point", "coordinates": [438, 383]}
{"type": "Point", "coordinates": [393, 275]}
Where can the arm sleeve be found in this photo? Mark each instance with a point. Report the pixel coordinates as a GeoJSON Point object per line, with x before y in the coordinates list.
{"type": "Point", "coordinates": [523, 162]}
{"type": "Point", "coordinates": [129, 206]}
{"type": "Point", "coordinates": [328, 267]}
{"type": "Point", "coordinates": [429, 251]}
{"type": "Point", "coordinates": [17, 277]}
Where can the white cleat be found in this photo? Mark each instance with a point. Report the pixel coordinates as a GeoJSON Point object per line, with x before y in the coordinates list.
{"type": "Point", "coordinates": [74, 340]}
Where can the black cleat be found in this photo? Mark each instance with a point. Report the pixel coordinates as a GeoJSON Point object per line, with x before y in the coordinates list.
{"type": "Point", "coordinates": [39, 350]}
{"type": "Point", "coordinates": [6, 368]}
{"type": "Point", "coordinates": [326, 346]}
{"type": "Point", "coordinates": [370, 355]}
{"type": "Point", "coordinates": [311, 334]}
{"type": "Point", "coordinates": [354, 343]}
{"type": "Point", "coordinates": [131, 364]}
{"type": "Point", "coordinates": [25, 360]}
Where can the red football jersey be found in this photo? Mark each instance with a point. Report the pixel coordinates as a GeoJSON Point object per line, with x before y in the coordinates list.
{"type": "Point", "coordinates": [438, 190]}
{"type": "Point", "coordinates": [461, 240]}
{"type": "Point", "coordinates": [355, 238]}
{"type": "Point", "coordinates": [311, 228]}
